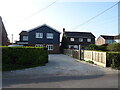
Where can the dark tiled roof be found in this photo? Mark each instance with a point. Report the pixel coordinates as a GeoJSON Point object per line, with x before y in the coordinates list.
{"type": "Point", "coordinates": [80, 34]}
{"type": "Point", "coordinates": [107, 37]}
{"type": "Point", "coordinates": [44, 25]}
{"type": "Point", "coordinates": [24, 33]}
{"type": "Point", "coordinates": [117, 37]}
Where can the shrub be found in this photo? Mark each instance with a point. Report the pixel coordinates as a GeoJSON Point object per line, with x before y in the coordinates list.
{"type": "Point", "coordinates": [22, 57]}
{"type": "Point", "coordinates": [113, 59]}
{"type": "Point", "coordinates": [93, 47]}
{"type": "Point", "coordinates": [114, 47]}
{"type": "Point", "coordinates": [102, 48]}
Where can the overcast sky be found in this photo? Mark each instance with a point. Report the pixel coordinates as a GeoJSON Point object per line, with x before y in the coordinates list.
{"type": "Point", "coordinates": [21, 15]}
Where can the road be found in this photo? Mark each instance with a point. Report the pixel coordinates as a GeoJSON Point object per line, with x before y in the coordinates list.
{"type": "Point", "coordinates": [62, 72]}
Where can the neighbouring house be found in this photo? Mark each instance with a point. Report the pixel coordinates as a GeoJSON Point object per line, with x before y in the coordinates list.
{"type": "Point", "coordinates": [84, 39]}
{"type": "Point", "coordinates": [23, 39]}
{"type": "Point", "coordinates": [41, 36]}
{"type": "Point", "coordinates": [3, 35]}
{"type": "Point", "coordinates": [105, 39]}
{"type": "Point", "coordinates": [117, 38]}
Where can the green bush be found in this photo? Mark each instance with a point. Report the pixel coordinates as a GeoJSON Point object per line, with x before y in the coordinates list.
{"type": "Point", "coordinates": [102, 48]}
{"type": "Point", "coordinates": [92, 47]}
{"type": "Point", "coordinates": [95, 47]}
{"type": "Point", "coordinates": [114, 47]}
{"type": "Point", "coordinates": [23, 57]}
{"type": "Point", "coordinates": [113, 59]}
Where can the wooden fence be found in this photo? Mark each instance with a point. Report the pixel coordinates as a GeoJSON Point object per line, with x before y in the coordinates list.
{"type": "Point", "coordinates": [97, 57]}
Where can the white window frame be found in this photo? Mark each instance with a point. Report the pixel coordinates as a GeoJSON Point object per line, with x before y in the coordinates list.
{"type": "Point", "coordinates": [39, 35]}
{"type": "Point", "coordinates": [72, 39]}
{"type": "Point", "coordinates": [50, 47]}
{"type": "Point", "coordinates": [49, 35]}
{"type": "Point", "coordinates": [88, 39]}
{"type": "Point", "coordinates": [80, 39]}
{"type": "Point", "coordinates": [25, 38]}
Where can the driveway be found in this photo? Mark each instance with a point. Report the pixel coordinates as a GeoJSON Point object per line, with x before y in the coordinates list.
{"type": "Point", "coordinates": [62, 72]}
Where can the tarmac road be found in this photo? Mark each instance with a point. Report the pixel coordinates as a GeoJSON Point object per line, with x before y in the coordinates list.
{"type": "Point", "coordinates": [62, 72]}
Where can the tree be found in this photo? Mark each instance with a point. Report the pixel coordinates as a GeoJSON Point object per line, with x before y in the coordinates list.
{"type": "Point", "coordinates": [64, 43]}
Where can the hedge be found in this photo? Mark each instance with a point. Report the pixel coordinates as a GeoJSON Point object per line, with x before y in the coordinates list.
{"type": "Point", "coordinates": [113, 59]}
{"type": "Point", "coordinates": [95, 47]}
{"type": "Point", "coordinates": [23, 57]}
{"type": "Point", "coordinates": [114, 47]}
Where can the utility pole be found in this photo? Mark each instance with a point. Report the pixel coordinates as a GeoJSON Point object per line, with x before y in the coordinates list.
{"type": "Point", "coordinates": [12, 38]}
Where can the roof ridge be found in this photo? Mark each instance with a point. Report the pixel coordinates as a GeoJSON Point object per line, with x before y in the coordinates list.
{"type": "Point", "coordinates": [43, 25]}
{"type": "Point", "coordinates": [77, 31]}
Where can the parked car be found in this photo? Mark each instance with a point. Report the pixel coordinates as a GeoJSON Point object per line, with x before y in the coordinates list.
{"type": "Point", "coordinates": [14, 45]}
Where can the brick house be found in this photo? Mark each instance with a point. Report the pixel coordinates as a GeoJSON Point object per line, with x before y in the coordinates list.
{"type": "Point", "coordinates": [105, 39]}
{"type": "Point", "coordinates": [41, 36]}
{"type": "Point", "coordinates": [79, 38]}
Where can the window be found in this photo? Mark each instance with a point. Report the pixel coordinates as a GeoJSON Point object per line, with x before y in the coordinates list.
{"type": "Point", "coordinates": [50, 47]}
{"type": "Point", "coordinates": [49, 36]}
{"type": "Point", "coordinates": [72, 39]}
{"type": "Point", "coordinates": [75, 46]}
{"type": "Point", "coordinates": [88, 40]}
{"type": "Point", "coordinates": [80, 39]}
{"type": "Point", "coordinates": [25, 38]}
{"type": "Point", "coordinates": [109, 41]}
{"type": "Point", "coordinates": [39, 35]}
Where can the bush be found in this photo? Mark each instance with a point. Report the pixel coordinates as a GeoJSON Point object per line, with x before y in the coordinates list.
{"type": "Point", "coordinates": [113, 59]}
{"type": "Point", "coordinates": [114, 47]}
{"type": "Point", "coordinates": [23, 57]}
{"type": "Point", "coordinates": [102, 48]}
{"type": "Point", "coordinates": [95, 47]}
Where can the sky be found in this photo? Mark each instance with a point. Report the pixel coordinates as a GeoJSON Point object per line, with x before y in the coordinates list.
{"type": "Point", "coordinates": [18, 15]}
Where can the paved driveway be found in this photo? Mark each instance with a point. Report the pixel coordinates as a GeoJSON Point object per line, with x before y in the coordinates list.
{"type": "Point", "coordinates": [62, 72]}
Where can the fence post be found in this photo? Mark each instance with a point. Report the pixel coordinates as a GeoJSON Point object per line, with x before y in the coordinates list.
{"type": "Point", "coordinates": [79, 52]}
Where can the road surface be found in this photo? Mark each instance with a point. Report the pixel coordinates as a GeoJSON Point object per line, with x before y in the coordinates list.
{"type": "Point", "coordinates": [62, 72]}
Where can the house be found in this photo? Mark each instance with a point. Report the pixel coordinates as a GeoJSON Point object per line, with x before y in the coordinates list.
{"type": "Point", "coordinates": [105, 39]}
{"type": "Point", "coordinates": [117, 38]}
{"type": "Point", "coordinates": [41, 36]}
{"type": "Point", "coordinates": [23, 38]}
{"type": "Point", "coordinates": [79, 38]}
{"type": "Point", "coordinates": [3, 34]}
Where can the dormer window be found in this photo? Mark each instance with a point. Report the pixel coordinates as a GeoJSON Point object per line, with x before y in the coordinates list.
{"type": "Point", "coordinates": [72, 39]}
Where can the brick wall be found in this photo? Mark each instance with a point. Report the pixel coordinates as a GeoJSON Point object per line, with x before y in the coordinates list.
{"type": "Point", "coordinates": [56, 49]}
{"type": "Point", "coordinates": [100, 41]}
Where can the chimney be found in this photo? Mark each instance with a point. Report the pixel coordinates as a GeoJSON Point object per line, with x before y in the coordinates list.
{"type": "Point", "coordinates": [63, 30]}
